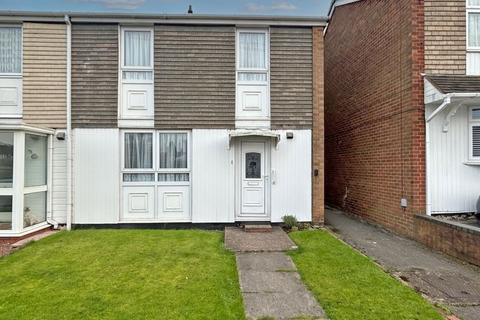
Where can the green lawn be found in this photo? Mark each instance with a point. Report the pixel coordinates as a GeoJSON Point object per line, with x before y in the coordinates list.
{"type": "Point", "coordinates": [121, 274]}
{"type": "Point", "coordinates": [350, 286]}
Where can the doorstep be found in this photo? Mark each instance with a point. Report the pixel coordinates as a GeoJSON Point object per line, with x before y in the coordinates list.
{"type": "Point", "coordinates": [237, 240]}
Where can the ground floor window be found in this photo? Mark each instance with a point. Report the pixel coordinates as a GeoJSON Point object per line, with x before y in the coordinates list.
{"type": "Point", "coordinates": [155, 175]}
{"type": "Point", "coordinates": [475, 133]}
{"type": "Point", "coordinates": [23, 180]}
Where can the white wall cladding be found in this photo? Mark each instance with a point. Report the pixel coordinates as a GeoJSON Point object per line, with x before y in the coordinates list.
{"type": "Point", "coordinates": [292, 188]}
{"type": "Point", "coordinates": [59, 180]}
{"type": "Point", "coordinates": [454, 185]}
{"type": "Point", "coordinates": [96, 176]}
{"type": "Point", "coordinates": [212, 177]}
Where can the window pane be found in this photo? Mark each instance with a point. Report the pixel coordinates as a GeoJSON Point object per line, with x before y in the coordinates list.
{"type": "Point", "coordinates": [474, 29]}
{"type": "Point", "coordinates": [10, 50]}
{"type": "Point", "coordinates": [252, 50]}
{"type": "Point", "coordinates": [35, 209]}
{"type": "Point", "coordinates": [476, 141]}
{"type": "Point", "coordinates": [138, 151]}
{"type": "Point", "coordinates": [137, 48]}
{"type": "Point", "coordinates": [476, 114]}
{"type": "Point", "coordinates": [172, 177]}
{"type": "Point", "coordinates": [137, 75]}
{"type": "Point", "coordinates": [474, 3]}
{"type": "Point", "coordinates": [6, 159]}
{"type": "Point", "coordinates": [253, 166]}
{"type": "Point", "coordinates": [247, 76]}
{"type": "Point", "coordinates": [35, 160]}
{"type": "Point", "coordinates": [138, 177]}
{"type": "Point", "coordinates": [5, 212]}
{"type": "Point", "coordinates": [173, 150]}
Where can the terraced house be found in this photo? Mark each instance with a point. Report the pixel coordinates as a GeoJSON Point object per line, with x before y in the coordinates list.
{"type": "Point", "coordinates": [110, 119]}
{"type": "Point", "coordinates": [403, 117]}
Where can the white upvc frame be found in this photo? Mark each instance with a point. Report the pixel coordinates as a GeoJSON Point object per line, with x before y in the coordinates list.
{"type": "Point", "coordinates": [266, 70]}
{"type": "Point", "coordinates": [470, 9]}
{"type": "Point", "coordinates": [186, 170]}
{"type": "Point", "coordinates": [124, 67]}
{"type": "Point", "coordinates": [472, 123]}
{"type": "Point", "coordinates": [15, 75]}
{"type": "Point", "coordinates": [18, 190]}
{"type": "Point", "coordinates": [156, 170]}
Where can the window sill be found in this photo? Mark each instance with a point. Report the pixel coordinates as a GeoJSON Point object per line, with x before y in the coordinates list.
{"type": "Point", "coordinates": [472, 163]}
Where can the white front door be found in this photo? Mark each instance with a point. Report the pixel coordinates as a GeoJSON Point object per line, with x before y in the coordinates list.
{"type": "Point", "coordinates": [253, 181]}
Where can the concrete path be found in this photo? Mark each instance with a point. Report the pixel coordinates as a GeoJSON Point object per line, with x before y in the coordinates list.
{"type": "Point", "coordinates": [269, 281]}
{"type": "Point", "coordinates": [444, 280]}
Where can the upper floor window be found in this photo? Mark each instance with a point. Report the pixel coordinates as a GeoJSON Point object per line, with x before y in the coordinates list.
{"type": "Point", "coordinates": [253, 95]}
{"type": "Point", "coordinates": [10, 50]}
{"type": "Point", "coordinates": [137, 60]}
{"type": "Point", "coordinates": [252, 56]}
{"type": "Point", "coordinates": [136, 90]}
{"type": "Point", "coordinates": [473, 37]}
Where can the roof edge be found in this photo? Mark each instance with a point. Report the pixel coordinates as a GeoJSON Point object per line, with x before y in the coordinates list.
{"type": "Point", "coordinates": [6, 15]}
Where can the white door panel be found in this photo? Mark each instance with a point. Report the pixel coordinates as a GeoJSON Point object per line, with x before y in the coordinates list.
{"type": "Point", "coordinates": [252, 180]}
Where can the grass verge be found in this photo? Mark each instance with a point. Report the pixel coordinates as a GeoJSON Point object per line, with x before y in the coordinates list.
{"type": "Point", "coordinates": [349, 285]}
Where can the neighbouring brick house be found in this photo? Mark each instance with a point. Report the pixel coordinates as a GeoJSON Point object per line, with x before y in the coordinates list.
{"type": "Point", "coordinates": [403, 116]}
{"type": "Point", "coordinates": [111, 119]}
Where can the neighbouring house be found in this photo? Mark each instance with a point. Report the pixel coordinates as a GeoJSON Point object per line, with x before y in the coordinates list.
{"type": "Point", "coordinates": [115, 119]}
{"type": "Point", "coordinates": [403, 117]}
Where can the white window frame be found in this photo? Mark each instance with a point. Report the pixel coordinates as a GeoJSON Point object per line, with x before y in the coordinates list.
{"type": "Point", "coordinates": [470, 9]}
{"type": "Point", "coordinates": [174, 170]}
{"type": "Point", "coordinates": [156, 160]}
{"type": "Point", "coordinates": [265, 70]}
{"type": "Point", "coordinates": [123, 67]}
{"type": "Point", "coordinates": [15, 74]}
{"type": "Point", "coordinates": [472, 123]}
{"type": "Point", "coordinates": [18, 189]}
{"type": "Point", "coordinates": [138, 170]}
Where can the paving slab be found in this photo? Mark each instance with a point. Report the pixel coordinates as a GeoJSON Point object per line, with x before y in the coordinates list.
{"type": "Point", "coordinates": [272, 288]}
{"type": "Point", "coordinates": [443, 279]}
{"type": "Point", "coordinates": [238, 240]}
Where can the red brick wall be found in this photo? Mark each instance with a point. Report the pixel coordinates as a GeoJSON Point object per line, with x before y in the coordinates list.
{"type": "Point", "coordinates": [318, 127]}
{"type": "Point", "coordinates": [374, 117]}
{"type": "Point", "coordinates": [457, 241]}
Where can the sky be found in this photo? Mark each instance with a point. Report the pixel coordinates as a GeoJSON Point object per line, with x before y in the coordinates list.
{"type": "Point", "coordinates": [233, 7]}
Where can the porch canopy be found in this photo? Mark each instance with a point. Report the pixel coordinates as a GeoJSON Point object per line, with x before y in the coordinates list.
{"type": "Point", "coordinates": [241, 133]}
{"type": "Point", "coordinates": [449, 93]}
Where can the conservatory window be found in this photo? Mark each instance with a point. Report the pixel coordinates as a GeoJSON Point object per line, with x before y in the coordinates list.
{"type": "Point", "coordinates": [23, 180]}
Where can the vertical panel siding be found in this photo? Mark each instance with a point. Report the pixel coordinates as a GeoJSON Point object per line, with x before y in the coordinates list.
{"type": "Point", "coordinates": [44, 74]}
{"type": "Point", "coordinates": [292, 191]}
{"type": "Point", "coordinates": [96, 176]}
{"type": "Point", "coordinates": [194, 77]}
{"type": "Point", "coordinates": [291, 77]}
{"type": "Point", "coordinates": [453, 184]}
{"type": "Point", "coordinates": [59, 183]}
{"type": "Point", "coordinates": [213, 177]}
{"type": "Point", "coordinates": [94, 75]}
{"type": "Point", "coordinates": [445, 36]}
